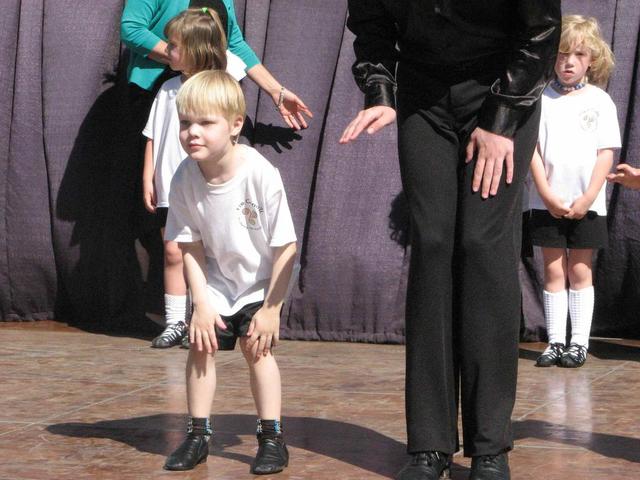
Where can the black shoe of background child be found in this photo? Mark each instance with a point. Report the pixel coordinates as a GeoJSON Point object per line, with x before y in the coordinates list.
{"type": "Point", "coordinates": [551, 355]}
{"type": "Point", "coordinates": [194, 450]}
{"type": "Point", "coordinates": [272, 456]}
{"type": "Point", "coordinates": [171, 336]}
{"type": "Point", "coordinates": [490, 467]}
{"type": "Point", "coordinates": [184, 343]}
{"type": "Point", "coordinates": [426, 466]}
{"type": "Point", "coordinates": [574, 356]}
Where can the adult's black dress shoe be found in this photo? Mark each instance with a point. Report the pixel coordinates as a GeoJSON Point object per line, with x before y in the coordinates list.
{"type": "Point", "coordinates": [194, 450]}
{"type": "Point", "coordinates": [272, 456]}
{"type": "Point", "coordinates": [490, 467]}
{"type": "Point", "coordinates": [426, 466]}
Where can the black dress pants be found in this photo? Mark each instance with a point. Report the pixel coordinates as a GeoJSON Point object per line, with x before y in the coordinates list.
{"type": "Point", "coordinates": [463, 298]}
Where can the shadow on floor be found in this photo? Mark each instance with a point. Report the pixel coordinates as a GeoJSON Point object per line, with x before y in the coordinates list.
{"type": "Point", "coordinates": [161, 434]}
{"type": "Point", "coordinates": [359, 446]}
{"type": "Point", "coordinates": [613, 351]}
{"type": "Point", "coordinates": [610, 446]}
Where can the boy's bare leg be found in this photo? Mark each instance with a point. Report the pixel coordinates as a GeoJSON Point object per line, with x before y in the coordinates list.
{"type": "Point", "coordinates": [265, 382]}
{"type": "Point", "coordinates": [201, 382]}
{"type": "Point", "coordinates": [266, 388]}
{"type": "Point", "coordinates": [201, 387]}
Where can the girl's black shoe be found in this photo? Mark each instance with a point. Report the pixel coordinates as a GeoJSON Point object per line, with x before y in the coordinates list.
{"type": "Point", "coordinates": [551, 355]}
{"type": "Point", "coordinates": [272, 456]}
{"type": "Point", "coordinates": [194, 450]}
{"type": "Point", "coordinates": [574, 356]}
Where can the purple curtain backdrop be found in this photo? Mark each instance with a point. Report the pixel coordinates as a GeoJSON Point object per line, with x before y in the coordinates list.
{"type": "Point", "coordinates": [67, 174]}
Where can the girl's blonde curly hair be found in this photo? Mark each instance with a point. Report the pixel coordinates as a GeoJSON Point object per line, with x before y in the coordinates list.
{"type": "Point", "coordinates": [581, 30]}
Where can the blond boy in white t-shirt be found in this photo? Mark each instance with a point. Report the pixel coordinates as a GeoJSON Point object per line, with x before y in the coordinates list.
{"type": "Point", "coordinates": [230, 216]}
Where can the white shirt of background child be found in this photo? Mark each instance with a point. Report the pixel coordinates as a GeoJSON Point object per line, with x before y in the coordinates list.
{"type": "Point", "coordinates": [572, 130]}
{"type": "Point", "coordinates": [239, 222]}
{"type": "Point", "coordinates": [163, 126]}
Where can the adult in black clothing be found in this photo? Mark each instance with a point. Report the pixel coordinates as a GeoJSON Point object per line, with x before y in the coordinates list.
{"type": "Point", "coordinates": [468, 79]}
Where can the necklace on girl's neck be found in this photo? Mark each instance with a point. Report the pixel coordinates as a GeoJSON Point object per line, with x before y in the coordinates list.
{"type": "Point", "coordinates": [560, 88]}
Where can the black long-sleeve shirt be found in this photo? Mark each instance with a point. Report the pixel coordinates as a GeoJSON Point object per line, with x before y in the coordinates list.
{"type": "Point", "coordinates": [436, 34]}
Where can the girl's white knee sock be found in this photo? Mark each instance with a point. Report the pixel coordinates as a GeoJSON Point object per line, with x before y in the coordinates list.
{"type": "Point", "coordinates": [581, 311]}
{"type": "Point", "coordinates": [555, 315]}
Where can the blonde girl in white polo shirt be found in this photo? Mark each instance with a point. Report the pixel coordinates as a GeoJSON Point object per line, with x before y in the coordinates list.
{"type": "Point", "coordinates": [578, 134]}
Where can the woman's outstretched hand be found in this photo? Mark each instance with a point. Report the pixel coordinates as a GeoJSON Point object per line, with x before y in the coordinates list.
{"type": "Point", "coordinates": [292, 109]}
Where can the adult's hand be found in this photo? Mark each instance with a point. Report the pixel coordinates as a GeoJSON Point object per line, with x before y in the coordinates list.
{"type": "Point", "coordinates": [626, 175]}
{"type": "Point", "coordinates": [292, 109]}
{"type": "Point", "coordinates": [492, 152]}
{"type": "Point", "coordinates": [373, 119]}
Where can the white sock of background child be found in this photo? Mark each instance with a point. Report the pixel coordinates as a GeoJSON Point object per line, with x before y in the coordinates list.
{"type": "Point", "coordinates": [175, 307]}
{"type": "Point", "coordinates": [581, 311]}
{"type": "Point", "coordinates": [555, 315]}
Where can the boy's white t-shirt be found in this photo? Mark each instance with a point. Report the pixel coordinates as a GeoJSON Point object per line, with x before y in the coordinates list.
{"type": "Point", "coordinates": [163, 127]}
{"type": "Point", "coordinates": [572, 130]}
{"type": "Point", "coordinates": [239, 222]}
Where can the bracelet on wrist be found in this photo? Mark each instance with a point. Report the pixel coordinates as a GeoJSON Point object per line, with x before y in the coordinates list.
{"type": "Point", "coordinates": [280, 99]}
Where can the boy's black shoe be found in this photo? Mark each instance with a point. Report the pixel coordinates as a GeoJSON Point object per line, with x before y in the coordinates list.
{"type": "Point", "coordinates": [426, 466]}
{"type": "Point", "coordinates": [194, 450]}
{"type": "Point", "coordinates": [551, 355]}
{"type": "Point", "coordinates": [490, 467]}
{"type": "Point", "coordinates": [272, 456]}
{"type": "Point", "coordinates": [574, 356]}
{"type": "Point", "coordinates": [171, 336]}
{"type": "Point", "coordinates": [184, 343]}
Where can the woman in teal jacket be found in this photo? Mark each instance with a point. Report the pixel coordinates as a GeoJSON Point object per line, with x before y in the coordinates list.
{"type": "Point", "coordinates": [142, 28]}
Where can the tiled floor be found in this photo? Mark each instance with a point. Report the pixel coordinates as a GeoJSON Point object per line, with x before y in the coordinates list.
{"type": "Point", "coordinates": [80, 405]}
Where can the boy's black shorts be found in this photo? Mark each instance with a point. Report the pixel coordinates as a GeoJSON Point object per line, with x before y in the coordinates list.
{"type": "Point", "coordinates": [588, 232]}
{"type": "Point", "coordinates": [237, 326]}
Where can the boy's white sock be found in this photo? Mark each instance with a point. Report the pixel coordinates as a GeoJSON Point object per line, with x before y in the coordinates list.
{"type": "Point", "coordinates": [555, 315]}
{"type": "Point", "coordinates": [581, 310]}
{"type": "Point", "coordinates": [175, 307]}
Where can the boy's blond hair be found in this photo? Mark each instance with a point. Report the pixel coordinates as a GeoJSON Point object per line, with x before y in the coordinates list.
{"type": "Point", "coordinates": [577, 30]}
{"type": "Point", "coordinates": [202, 39]}
{"type": "Point", "coordinates": [211, 91]}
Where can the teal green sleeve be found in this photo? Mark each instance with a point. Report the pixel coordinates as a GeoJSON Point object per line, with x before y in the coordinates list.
{"type": "Point", "coordinates": [134, 26]}
{"type": "Point", "coordinates": [236, 41]}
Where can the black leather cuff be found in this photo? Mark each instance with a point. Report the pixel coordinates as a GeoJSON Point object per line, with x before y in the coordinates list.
{"type": "Point", "coordinates": [379, 94]}
{"type": "Point", "coordinates": [500, 119]}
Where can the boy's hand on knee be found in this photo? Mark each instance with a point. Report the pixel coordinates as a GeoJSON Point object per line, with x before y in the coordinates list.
{"type": "Point", "coordinates": [264, 330]}
{"type": "Point", "coordinates": [202, 331]}
{"type": "Point", "coordinates": [493, 153]}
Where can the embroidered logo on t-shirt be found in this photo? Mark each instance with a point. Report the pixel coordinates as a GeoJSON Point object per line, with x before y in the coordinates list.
{"type": "Point", "coordinates": [589, 120]}
{"type": "Point", "coordinates": [248, 214]}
